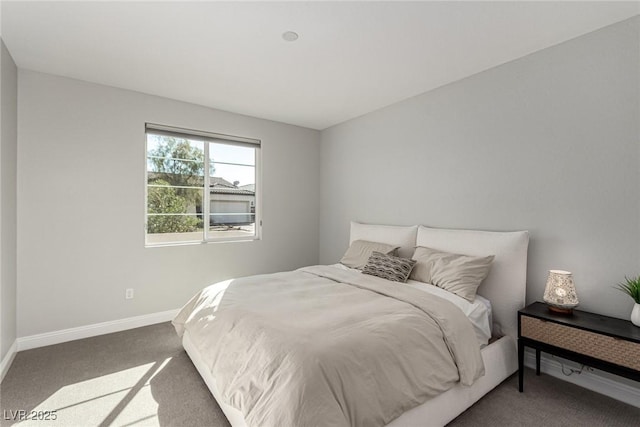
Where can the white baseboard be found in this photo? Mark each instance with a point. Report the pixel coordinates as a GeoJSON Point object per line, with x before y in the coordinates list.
{"type": "Point", "coordinates": [57, 337]}
{"type": "Point", "coordinates": [5, 364]}
{"type": "Point", "coordinates": [587, 379]}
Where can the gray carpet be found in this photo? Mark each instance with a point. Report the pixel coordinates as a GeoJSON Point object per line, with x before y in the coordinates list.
{"type": "Point", "coordinates": [143, 377]}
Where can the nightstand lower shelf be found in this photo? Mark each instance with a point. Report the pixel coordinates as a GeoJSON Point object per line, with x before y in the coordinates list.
{"type": "Point", "coordinates": [569, 355]}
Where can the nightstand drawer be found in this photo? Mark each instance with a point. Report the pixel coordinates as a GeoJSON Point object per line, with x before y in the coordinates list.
{"type": "Point", "coordinates": [603, 347]}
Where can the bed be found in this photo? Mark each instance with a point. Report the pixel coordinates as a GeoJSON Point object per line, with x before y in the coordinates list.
{"type": "Point", "coordinates": [504, 288]}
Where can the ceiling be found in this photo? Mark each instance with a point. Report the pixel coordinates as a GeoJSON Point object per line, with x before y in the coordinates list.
{"type": "Point", "coordinates": [351, 57]}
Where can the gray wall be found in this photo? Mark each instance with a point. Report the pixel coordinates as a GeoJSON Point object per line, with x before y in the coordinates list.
{"type": "Point", "coordinates": [8, 149]}
{"type": "Point", "coordinates": [81, 181]}
{"type": "Point", "coordinates": [547, 143]}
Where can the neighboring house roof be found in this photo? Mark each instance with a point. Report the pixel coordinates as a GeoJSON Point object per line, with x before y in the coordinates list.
{"type": "Point", "coordinates": [215, 181]}
{"type": "Point", "coordinates": [222, 186]}
{"type": "Point", "coordinates": [231, 191]}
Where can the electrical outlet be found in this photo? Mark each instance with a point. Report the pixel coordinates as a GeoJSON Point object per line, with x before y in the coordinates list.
{"type": "Point", "coordinates": [128, 293]}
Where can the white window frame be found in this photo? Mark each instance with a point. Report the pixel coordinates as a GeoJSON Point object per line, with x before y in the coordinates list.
{"type": "Point", "coordinates": [206, 137]}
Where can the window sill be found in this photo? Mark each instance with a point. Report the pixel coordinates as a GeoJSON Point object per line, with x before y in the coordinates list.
{"type": "Point", "coordinates": [202, 242]}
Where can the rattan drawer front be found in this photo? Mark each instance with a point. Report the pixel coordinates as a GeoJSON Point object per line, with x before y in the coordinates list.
{"type": "Point", "coordinates": [603, 347]}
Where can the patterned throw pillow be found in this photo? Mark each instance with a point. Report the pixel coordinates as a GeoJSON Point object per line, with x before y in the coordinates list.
{"type": "Point", "coordinates": [389, 267]}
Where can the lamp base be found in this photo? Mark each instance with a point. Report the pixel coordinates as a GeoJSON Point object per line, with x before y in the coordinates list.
{"type": "Point", "coordinates": [559, 310]}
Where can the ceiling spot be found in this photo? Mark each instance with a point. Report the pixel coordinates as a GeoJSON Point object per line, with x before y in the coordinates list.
{"type": "Point", "coordinates": [290, 36]}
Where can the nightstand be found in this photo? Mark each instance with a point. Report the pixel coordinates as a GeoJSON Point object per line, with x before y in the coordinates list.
{"type": "Point", "coordinates": [602, 342]}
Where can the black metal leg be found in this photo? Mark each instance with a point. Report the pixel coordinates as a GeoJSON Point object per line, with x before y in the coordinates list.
{"type": "Point", "coordinates": [537, 361]}
{"type": "Point", "coordinates": [520, 364]}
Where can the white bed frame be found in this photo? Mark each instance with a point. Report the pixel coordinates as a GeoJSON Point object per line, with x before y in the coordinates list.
{"type": "Point", "coordinates": [505, 287]}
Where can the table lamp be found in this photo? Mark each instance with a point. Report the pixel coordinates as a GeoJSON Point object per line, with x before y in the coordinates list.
{"type": "Point", "coordinates": [560, 293]}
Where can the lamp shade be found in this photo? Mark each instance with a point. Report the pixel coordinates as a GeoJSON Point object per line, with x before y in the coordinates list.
{"type": "Point", "coordinates": [560, 293]}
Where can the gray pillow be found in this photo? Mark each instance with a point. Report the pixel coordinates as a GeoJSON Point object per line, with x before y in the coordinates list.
{"type": "Point", "coordinates": [459, 274]}
{"type": "Point", "coordinates": [360, 251]}
{"type": "Point", "coordinates": [389, 267]}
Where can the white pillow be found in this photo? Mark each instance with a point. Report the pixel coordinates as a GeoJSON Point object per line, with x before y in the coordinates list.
{"type": "Point", "coordinates": [402, 236]}
{"type": "Point", "coordinates": [457, 273]}
{"type": "Point", "coordinates": [360, 250]}
{"type": "Point", "coordinates": [505, 285]}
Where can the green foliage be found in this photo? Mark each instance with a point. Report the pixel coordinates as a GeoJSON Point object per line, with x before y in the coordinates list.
{"type": "Point", "coordinates": [177, 162]}
{"type": "Point", "coordinates": [165, 200]}
{"type": "Point", "coordinates": [631, 287]}
{"type": "Point", "coordinates": [174, 163]}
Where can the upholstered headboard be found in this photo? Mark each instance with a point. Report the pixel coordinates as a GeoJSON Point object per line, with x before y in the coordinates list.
{"type": "Point", "coordinates": [505, 286]}
{"type": "Point", "coordinates": [398, 235]}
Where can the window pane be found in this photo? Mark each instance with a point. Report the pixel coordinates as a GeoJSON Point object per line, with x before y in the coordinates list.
{"type": "Point", "coordinates": [170, 146]}
{"type": "Point", "coordinates": [232, 174]}
{"type": "Point", "coordinates": [159, 228]}
{"type": "Point", "coordinates": [224, 153]}
{"type": "Point", "coordinates": [219, 232]}
{"type": "Point", "coordinates": [174, 210]}
{"type": "Point", "coordinates": [167, 171]}
{"type": "Point", "coordinates": [231, 212]}
{"type": "Point", "coordinates": [232, 191]}
{"type": "Point", "coordinates": [175, 161]}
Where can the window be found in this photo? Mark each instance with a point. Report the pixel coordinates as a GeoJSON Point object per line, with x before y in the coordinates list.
{"type": "Point", "coordinates": [184, 207]}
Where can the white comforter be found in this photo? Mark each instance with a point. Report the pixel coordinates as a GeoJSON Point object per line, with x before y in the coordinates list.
{"type": "Point", "coordinates": [325, 346]}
